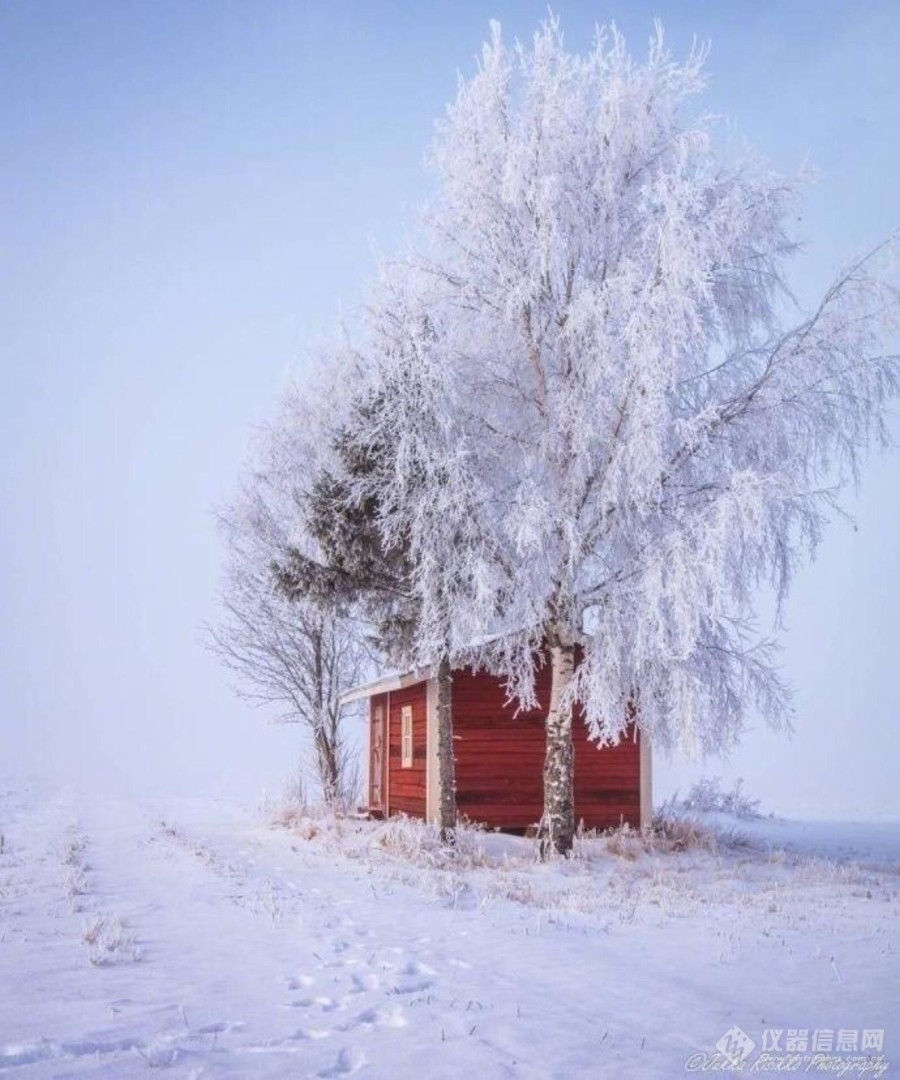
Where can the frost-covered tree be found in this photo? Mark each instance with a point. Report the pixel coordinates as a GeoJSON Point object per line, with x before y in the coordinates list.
{"type": "Point", "coordinates": [399, 462]}
{"type": "Point", "coordinates": [613, 426]}
{"type": "Point", "coordinates": [356, 565]}
{"type": "Point", "coordinates": [342, 559]}
{"type": "Point", "coordinates": [296, 652]}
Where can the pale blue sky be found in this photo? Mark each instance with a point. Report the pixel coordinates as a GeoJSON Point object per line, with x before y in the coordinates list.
{"type": "Point", "coordinates": [191, 192]}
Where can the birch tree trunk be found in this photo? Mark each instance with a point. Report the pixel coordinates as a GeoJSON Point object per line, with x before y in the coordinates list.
{"type": "Point", "coordinates": [557, 832]}
{"type": "Point", "coordinates": [446, 764]}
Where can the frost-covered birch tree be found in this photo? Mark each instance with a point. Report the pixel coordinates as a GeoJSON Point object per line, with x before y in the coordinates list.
{"type": "Point", "coordinates": [614, 424]}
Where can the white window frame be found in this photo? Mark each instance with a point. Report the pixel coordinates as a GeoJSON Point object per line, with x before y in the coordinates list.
{"type": "Point", "coordinates": [406, 737]}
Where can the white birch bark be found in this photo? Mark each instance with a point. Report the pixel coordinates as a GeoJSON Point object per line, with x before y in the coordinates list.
{"type": "Point", "coordinates": [557, 833]}
{"type": "Point", "coordinates": [446, 761]}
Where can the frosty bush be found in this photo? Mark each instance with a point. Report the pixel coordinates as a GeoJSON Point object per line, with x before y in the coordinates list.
{"type": "Point", "coordinates": [107, 940]}
{"type": "Point", "coordinates": [708, 797]}
{"type": "Point", "coordinates": [293, 803]}
{"type": "Point", "coordinates": [74, 870]}
{"type": "Point", "coordinates": [295, 808]}
{"type": "Point", "coordinates": [74, 886]}
{"type": "Point", "coordinates": [674, 834]}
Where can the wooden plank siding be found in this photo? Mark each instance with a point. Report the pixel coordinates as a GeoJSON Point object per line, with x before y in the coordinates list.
{"type": "Point", "coordinates": [406, 786]}
{"type": "Point", "coordinates": [500, 759]}
{"type": "Point", "coordinates": [499, 756]}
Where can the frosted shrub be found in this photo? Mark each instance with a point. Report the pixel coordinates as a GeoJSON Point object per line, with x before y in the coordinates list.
{"type": "Point", "coordinates": [73, 871]}
{"type": "Point", "coordinates": [107, 940]}
{"type": "Point", "coordinates": [624, 842]}
{"type": "Point", "coordinates": [672, 834]}
{"type": "Point", "coordinates": [295, 810]}
{"type": "Point", "coordinates": [75, 850]}
{"type": "Point", "coordinates": [676, 828]}
{"type": "Point", "coordinates": [74, 885]}
{"type": "Point", "coordinates": [292, 806]}
{"type": "Point", "coordinates": [708, 797]}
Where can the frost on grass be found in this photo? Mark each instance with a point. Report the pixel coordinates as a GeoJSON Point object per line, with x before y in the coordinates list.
{"type": "Point", "coordinates": [400, 839]}
{"type": "Point", "coordinates": [74, 886]}
{"type": "Point", "coordinates": [108, 941]}
{"type": "Point", "coordinates": [610, 877]}
{"type": "Point", "coordinates": [713, 847]}
{"type": "Point", "coordinates": [420, 843]}
{"type": "Point", "coordinates": [74, 871]}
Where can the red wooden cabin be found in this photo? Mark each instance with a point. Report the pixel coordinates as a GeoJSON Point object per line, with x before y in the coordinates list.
{"type": "Point", "coordinates": [499, 756]}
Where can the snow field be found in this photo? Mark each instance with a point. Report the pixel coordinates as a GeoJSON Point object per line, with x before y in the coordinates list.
{"type": "Point", "coordinates": [191, 937]}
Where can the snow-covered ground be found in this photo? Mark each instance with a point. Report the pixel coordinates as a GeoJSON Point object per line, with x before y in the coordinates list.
{"type": "Point", "coordinates": [194, 937]}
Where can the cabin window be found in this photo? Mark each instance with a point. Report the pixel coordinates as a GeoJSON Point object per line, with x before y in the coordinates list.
{"type": "Point", "coordinates": [406, 736]}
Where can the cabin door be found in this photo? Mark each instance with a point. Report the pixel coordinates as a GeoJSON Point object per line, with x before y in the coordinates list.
{"type": "Point", "coordinates": [376, 760]}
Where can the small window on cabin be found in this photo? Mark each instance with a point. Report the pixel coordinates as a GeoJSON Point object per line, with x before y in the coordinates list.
{"type": "Point", "coordinates": [406, 737]}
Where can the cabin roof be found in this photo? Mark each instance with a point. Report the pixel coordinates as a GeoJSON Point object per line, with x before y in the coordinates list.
{"type": "Point", "coordinates": [397, 680]}
{"type": "Point", "coordinates": [393, 680]}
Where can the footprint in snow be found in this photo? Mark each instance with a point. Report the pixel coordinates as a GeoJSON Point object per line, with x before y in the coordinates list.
{"type": "Point", "coordinates": [326, 1004]}
{"type": "Point", "coordinates": [361, 984]}
{"type": "Point", "coordinates": [411, 986]}
{"type": "Point", "coordinates": [414, 967]}
{"type": "Point", "coordinates": [302, 1034]}
{"type": "Point", "coordinates": [348, 1061]}
{"type": "Point", "coordinates": [373, 1018]}
{"type": "Point", "coordinates": [223, 1027]}
{"type": "Point", "coordinates": [332, 964]}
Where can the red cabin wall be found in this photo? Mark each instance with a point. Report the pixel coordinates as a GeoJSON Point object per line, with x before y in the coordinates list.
{"type": "Point", "coordinates": [499, 756]}
{"type": "Point", "coordinates": [406, 787]}
{"type": "Point", "coordinates": [607, 780]}
{"type": "Point", "coordinates": [500, 759]}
